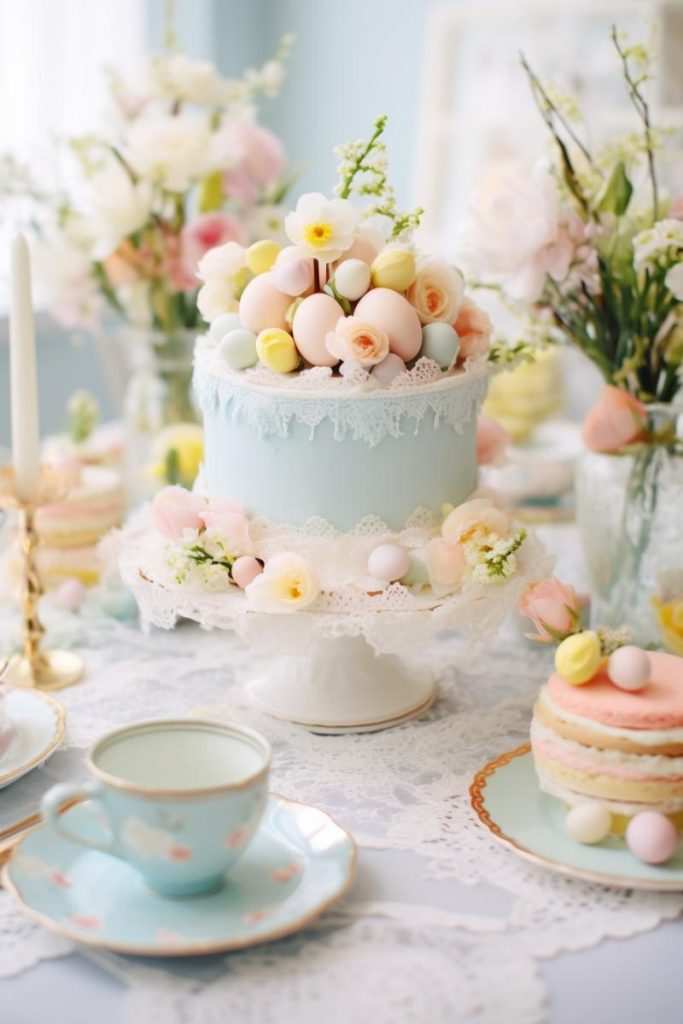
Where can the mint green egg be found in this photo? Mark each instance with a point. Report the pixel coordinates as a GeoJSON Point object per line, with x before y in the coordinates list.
{"type": "Point", "coordinates": [238, 349]}
{"type": "Point", "coordinates": [440, 342]}
{"type": "Point", "coordinates": [417, 574]}
{"type": "Point", "coordinates": [223, 324]}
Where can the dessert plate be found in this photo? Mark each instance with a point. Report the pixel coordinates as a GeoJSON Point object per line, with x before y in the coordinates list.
{"type": "Point", "coordinates": [38, 721]}
{"type": "Point", "coordinates": [298, 865]}
{"type": "Point", "coordinates": [507, 800]}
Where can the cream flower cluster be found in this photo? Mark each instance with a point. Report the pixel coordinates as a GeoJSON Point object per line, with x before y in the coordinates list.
{"type": "Point", "coordinates": [664, 240]}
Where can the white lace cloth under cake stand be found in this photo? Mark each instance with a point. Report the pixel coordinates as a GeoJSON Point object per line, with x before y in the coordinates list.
{"type": "Point", "coordinates": [442, 925]}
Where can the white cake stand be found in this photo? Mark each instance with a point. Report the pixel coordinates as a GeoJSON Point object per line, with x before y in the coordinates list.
{"type": "Point", "coordinates": [357, 665]}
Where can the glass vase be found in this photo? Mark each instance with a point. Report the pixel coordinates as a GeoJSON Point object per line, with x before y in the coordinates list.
{"type": "Point", "coordinates": [630, 522]}
{"type": "Point", "coordinates": [163, 439]}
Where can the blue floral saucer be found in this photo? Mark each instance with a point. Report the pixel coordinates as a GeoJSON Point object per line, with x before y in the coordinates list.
{"type": "Point", "coordinates": [507, 799]}
{"type": "Point", "coordinates": [298, 865]}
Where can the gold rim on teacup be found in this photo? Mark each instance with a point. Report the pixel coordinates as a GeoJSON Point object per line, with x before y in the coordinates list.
{"type": "Point", "coordinates": [259, 742]}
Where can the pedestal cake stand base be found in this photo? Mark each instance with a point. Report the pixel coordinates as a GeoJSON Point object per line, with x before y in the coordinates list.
{"type": "Point", "coordinates": [341, 685]}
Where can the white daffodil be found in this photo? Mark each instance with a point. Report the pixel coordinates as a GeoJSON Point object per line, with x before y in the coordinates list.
{"type": "Point", "coordinates": [287, 584]}
{"type": "Point", "coordinates": [322, 227]}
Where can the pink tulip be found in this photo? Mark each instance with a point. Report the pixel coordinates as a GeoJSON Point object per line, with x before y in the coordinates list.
{"type": "Point", "coordinates": [175, 510]}
{"type": "Point", "coordinates": [205, 232]}
{"type": "Point", "coordinates": [617, 420]}
{"type": "Point", "coordinates": [227, 518]}
{"type": "Point", "coordinates": [474, 329]}
{"type": "Point", "coordinates": [492, 440]}
{"type": "Point", "coordinates": [553, 607]}
{"type": "Point", "coordinates": [445, 563]}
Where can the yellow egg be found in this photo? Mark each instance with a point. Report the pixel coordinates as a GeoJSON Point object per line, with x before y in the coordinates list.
{"type": "Point", "coordinates": [262, 255]}
{"type": "Point", "coordinates": [276, 350]}
{"type": "Point", "coordinates": [579, 657]}
{"type": "Point", "coordinates": [393, 268]}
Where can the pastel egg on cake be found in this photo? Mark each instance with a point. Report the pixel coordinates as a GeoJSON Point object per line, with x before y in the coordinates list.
{"type": "Point", "coordinates": [262, 305]}
{"type": "Point", "coordinates": [314, 319]}
{"type": "Point", "coordinates": [262, 255]}
{"type": "Point", "coordinates": [238, 349]}
{"type": "Point", "coordinates": [388, 562]}
{"type": "Point", "coordinates": [352, 279]}
{"type": "Point", "coordinates": [391, 312]}
{"type": "Point", "coordinates": [294, 276]}
{"type": "Point", "coordinates": [651, 837]}
{"type": "Point", "coordinates": [629, 668]}
{"type": "Point", "coordinates": [440, 343]}
{"type": "Point", "coordinates": [588, 822]}
{"type": "Point", "coordinates": [223, 324]}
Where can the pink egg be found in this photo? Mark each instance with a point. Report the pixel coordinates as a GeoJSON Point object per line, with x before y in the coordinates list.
{"type": "Point", "coordinates": [70, 594]}
{"type": "Point", "coordinates": [629, 668]}
{"type": "Point", "coordinates": [388, 562]}
{"type": "Point", "coordinates": [652, 837]}
{"type": "Point", "coordinates": [263, 305]}
{"type": "Point", "coordinates": [314, 319]}
{"type": "Point", "coordinates": [294, 277]}
{"type": "Point", "coordinates": [362, 249]}
{"type": "Point", "coordinates": [391, 312]}
{"type": "Point", "coordinates": [391, 367]}
{"type": "Point", "coordinates": [245, 570]}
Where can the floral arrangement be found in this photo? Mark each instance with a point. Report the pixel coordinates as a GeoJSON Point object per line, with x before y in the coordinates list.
{"type": "Point", "coordinates": [349, 293]}
{"type": "Point", "coordinates": [182, 166]}
{"type": "Point", "coordinates": [211, 544]}
{"type": "Point", "coordinates": [590, 249]}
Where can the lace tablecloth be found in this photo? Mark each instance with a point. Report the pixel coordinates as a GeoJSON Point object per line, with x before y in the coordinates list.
{"type": "Point", "coordinates": [443, 925]}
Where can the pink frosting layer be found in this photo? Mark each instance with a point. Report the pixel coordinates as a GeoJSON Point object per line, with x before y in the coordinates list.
{"type": "Point", "coordinates": [597, 767]}
{"type": "Point", "coordinates": [658, 706]}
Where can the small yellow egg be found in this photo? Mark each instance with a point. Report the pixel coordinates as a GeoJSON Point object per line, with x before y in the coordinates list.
{"type": "Point", "coordinates": [276, 350]}
{"type": "Point", "coordinates": [262, 255]}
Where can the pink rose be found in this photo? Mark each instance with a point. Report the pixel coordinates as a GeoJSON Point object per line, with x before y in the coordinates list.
{"type": "Point", "coordinates": [259, 158]}
{"type": "Point", "coordinates": [355, 341]}
{"type": "Point", "coordinates": [446, 563]}
{"type": "Point", "coordinates": [175, 510]}
{"type": "Point", "coordinates": [617, 420]}
{"type": "Point", "coordinates": [553, 607]}
{"type": "Point", "coordinates": [207, 231]}
{"type": "Point", "coordinates": [492, 440]}
{"type": "Point", "coordinates": [474, 328]}
{"type": "Point", "coordinates": [437, 292]}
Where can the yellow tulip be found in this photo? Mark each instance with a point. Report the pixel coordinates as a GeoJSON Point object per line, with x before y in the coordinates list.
{"type": "Point", "coordinates": [670, 619]}
{"type": "Point", "coordinates": [578, 657]}
{"type": "Point", "coordinates": [181, 449]}
{"type": "Point", "coordinates": [277, 351]}
{"type": "Point", "coordinates": [393, 268]}
{"type": "Point", "coordinates": [262, 255]}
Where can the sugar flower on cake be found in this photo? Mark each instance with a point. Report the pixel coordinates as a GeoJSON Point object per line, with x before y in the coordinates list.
{"type": "Point", "coordinates": [554, 609]}
{"type": "Point", "coordinates": [487, 537]}
{"type": "Point", "coordinates": [437, 292]}
{"type": "Point", "coordinates": [287, 584]}
{"type": "Point", "coordinates": [355, 341]}
{"type": "Point", "coordinates": [321, 227]}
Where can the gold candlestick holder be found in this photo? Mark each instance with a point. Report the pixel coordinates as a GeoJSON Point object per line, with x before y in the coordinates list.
{"type": "Point", "coordinates": [34, 667]}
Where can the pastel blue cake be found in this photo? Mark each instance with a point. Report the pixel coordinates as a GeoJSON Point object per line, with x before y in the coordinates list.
{"type": "Point", "coordinates": [291, 452]}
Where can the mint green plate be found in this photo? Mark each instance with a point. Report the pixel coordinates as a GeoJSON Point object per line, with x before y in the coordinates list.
{"type": "Point", "coordinates": [299, 863]}
{"type": "Point", "coordinates": [507, 799]}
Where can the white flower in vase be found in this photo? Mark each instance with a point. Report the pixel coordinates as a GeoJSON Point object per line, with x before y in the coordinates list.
{"type": "Point", "coordinates": [171, 151]}
{"type": "Point", "coordinates": [117, 207]}
{"type": "Point", "coordinates": [179, 77]}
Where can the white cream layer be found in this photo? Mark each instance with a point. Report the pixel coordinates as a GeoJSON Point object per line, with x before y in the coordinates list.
{"type": "Point", "coordinates": [647, 764]}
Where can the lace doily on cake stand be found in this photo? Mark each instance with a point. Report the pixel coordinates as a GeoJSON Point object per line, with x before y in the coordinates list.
{"type": "Point", "coordinates": [356, 663]}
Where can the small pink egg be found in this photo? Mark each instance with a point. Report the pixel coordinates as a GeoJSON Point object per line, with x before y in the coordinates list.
{"type": "Point", "coordinates": [652, 837]}
{"type": "Point", "coordinates": [388, 562]}
{"type": "Point", "coordinates": [294, 277]}
{"type": "Point", "coordinates": [289, 252]}
{"type": "Point", "coordinates": [245, 570]}
{"type": "Point", "coordinates": [70, 594]}
{"type": "Point", "coordinates": [391, 367]}
{"type": "Point", "coordinates": [391, 312]}
{"type": "Point", "coordinates": [263, 305]}
{"type": "Point", "coordinates": [315, 317]}
{"type": "Point", "coordinates": [361, 249]}
{"type": "Point", "coordinates": [629, 668]}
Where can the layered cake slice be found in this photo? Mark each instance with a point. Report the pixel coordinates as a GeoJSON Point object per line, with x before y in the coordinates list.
{"type": "Point", "coordinates": [624, 749]}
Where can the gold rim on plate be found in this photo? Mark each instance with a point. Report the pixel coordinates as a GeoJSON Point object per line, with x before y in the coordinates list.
{"type": "Point", "coordinates": [60, 725]}
{"type": "Point", "coordinates": [477, 798]}
{"type": "Point", "coordinates": [199, 948]}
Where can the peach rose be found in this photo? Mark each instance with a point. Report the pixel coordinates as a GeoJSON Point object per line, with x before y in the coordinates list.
{"type": "Point", "coordinates": [355, 341]}
{"type": "Point", "coordinates": [492, 440]}
{"type": "Point", "coordinates": [478, 514]}
{"type": "Point", "coordinates": [554, 609]}
{"type": "Point", "coordinates": [446, 563]}
{"type": "Point", "coordinates": [617, 420]}
{"type": "Point", "coordinates": [175, 510]}
{"type": "Point", "coordinates": [474, 329]}
{"type": "Point", "coordinates": [437, 292]}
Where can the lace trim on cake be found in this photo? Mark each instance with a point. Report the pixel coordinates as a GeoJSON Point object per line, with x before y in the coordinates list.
{"type": "Point", "coordinates": [268, 403]}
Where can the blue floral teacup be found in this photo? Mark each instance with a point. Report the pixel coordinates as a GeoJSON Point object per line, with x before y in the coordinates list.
{"type": "Point", "coordinates": [179, 800]}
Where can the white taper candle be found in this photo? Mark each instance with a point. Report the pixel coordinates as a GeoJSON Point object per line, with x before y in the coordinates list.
{"type": "Point", "coordinates": [23, 377]}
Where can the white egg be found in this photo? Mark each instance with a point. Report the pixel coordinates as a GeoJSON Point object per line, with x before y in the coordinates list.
{"type": "Point", "coordinates": [352, 279]}
{"type": "Point", "coordinates": [588, 822]}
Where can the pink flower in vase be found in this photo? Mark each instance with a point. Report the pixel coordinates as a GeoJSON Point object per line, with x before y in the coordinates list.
{"type": "Point", "coordinates": [207, 231]}
{"type": "Point", "coordinates": [259, 158]}
{"type": "Point", "coordinates": [553, 607]}
{"type": "Point", "coordinates": [616, 421]}
{"type": "Point", "coordinates": [492, 440]}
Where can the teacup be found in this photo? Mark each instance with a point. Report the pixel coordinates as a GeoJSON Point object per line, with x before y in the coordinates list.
{"type": "Point", "coordinates": [181, 800]}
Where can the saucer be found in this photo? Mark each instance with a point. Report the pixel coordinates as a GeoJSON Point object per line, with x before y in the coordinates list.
{"type": "Point", "coordinates": [299, 863]}
{"type": "Point", "coordinates": [38, 721]}
{"type": "Point", "coordinates": [508, 801]}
